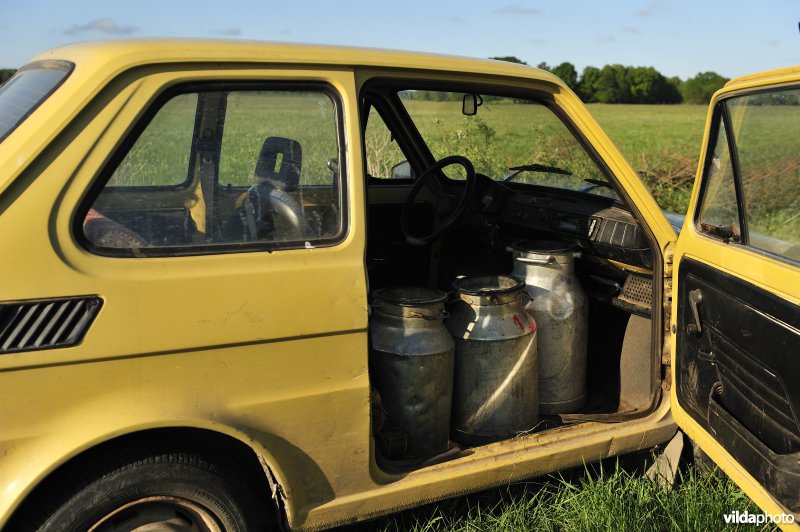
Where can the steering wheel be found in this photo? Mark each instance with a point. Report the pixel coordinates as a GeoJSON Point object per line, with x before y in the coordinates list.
{"type": "Point", "coordinates": [448, 208]}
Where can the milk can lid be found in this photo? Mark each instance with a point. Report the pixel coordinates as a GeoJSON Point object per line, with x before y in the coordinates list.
{"type": "Point", "coordinates": [410, 296]}
{"type": "Point", "coordinates": [488, 285]}
{"type": "Point", "coordinates": [545, 246]}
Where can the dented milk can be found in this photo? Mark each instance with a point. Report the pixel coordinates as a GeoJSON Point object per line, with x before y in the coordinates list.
{"type": "Point", "coordinates": [495, 386]}
{"type": "Point", "coordinates": [411, 363]}
{"type": "Point", "coordinates": [560, 308]}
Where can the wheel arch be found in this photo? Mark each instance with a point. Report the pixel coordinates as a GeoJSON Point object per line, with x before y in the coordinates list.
{"type": "Point", "coordinates": [252, 461]}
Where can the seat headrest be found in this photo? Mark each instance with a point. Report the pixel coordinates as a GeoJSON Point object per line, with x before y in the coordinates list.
{"type": "Point", "coordinates": [279, 163]}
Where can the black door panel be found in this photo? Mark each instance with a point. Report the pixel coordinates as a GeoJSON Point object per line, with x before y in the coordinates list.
{"type": "Point", "coordinates": [738, 377]}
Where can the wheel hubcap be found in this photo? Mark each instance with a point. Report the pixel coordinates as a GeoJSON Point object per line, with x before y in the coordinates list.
{"type": "Point", "coordinates": [159, 514]}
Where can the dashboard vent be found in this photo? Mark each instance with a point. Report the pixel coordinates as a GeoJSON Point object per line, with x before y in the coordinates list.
{"type": "Point", "coordinates": [45, 324]}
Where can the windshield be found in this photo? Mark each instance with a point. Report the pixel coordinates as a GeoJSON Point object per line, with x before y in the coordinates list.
{"type": "Point", "coordinates": [26, 89]}
{"type": "Point", "coordinates": [507, 138]}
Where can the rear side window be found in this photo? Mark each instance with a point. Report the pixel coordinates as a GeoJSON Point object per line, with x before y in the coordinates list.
{"type": "Point", "coordinates": [224, 168]}
{"type": "Point", "coordinates": [26, 90]}
{"type": "Point", "coordinates": [751, 185]}
{"type": "Point", "coordinates": [160, 155]}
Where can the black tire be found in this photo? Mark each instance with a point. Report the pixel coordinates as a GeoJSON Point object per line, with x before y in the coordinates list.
{"type": "Point", "coordinates": [180, 491]}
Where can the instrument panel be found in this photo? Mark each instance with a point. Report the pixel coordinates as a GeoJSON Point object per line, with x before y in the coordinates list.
{"type": "Point", "coordinates": [609, 230]}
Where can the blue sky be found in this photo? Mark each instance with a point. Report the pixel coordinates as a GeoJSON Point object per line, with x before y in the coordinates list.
{"type": "Point", "coordinates": [677, 37]}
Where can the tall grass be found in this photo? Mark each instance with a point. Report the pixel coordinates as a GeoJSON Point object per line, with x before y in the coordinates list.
{"type": "Point", "coordinates": [160, 156]}
{"type": "Point", "coordinates": [597, 498]}
{"type": "Point", "coordinates": [662, 143]}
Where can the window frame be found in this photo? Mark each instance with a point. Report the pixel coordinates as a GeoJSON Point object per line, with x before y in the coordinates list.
{"type": "Point", "coordinates": [407, 135]}
{"type": "Point", "coordinates": [193, 178]}
{"type": "Point", "coordinates": [721, 115]}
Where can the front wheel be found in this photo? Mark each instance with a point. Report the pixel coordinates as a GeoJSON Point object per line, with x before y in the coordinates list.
{"type": "Point", "coordinates": [173, 491]}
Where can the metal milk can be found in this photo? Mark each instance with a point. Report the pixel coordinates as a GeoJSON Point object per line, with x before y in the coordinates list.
{"type": "Point", "coordinates": [411, 365]}
{"type": "Point", "coordinates": [495, 385]}
{"type": "Point", "coordinates": [560, 308]}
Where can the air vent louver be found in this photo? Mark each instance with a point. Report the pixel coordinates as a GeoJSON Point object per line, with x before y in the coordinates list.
{"type": "Point", "coordinates": [636, 296]}
{"type": "Point", "coordinates": [45, 324]}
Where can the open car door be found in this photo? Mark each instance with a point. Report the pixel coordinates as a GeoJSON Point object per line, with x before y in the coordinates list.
{"type": "Point", "coordinates": [736, 293]}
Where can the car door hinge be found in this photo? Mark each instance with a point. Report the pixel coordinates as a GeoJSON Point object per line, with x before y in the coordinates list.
{"type": "Point", "coordinates": [666, 354]}
{"type": "Point", "coordinates": [666, 348]}
{"type": "Point", "coordinates": [666, 363]}
{"type": "Point", "coordinates": [669, 258]}
{"type": "Point", "coordinates": [666, 382]}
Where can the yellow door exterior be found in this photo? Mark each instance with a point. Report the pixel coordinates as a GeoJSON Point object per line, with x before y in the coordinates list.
{"type": "Point", "coordinates": [269, 348]}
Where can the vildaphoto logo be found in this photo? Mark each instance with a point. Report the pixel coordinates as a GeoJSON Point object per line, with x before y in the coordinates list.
{"type": "Point", "coordinates": [741, 518]}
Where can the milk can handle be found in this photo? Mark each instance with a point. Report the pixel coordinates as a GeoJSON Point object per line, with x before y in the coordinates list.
{"type": "Point", "coordinates": [443, 316]}
{"type": "Point", "coordinates": [527, 295]}
{"type": "Point", "coordinates": [547, 260]}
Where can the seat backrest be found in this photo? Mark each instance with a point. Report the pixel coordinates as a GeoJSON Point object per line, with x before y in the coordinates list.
{"type": "Point", "coordinates": [279, 163]}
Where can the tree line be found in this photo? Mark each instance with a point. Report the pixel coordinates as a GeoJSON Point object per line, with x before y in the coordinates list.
{"type": "Point", "coordinates": [629, 84]}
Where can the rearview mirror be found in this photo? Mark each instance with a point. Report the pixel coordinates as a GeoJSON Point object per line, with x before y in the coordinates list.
{"type": "Point", "coordinates": [470, 104]}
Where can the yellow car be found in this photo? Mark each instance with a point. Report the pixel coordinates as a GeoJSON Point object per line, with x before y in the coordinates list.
{"type": "Point", "coordinates": [198, 238]}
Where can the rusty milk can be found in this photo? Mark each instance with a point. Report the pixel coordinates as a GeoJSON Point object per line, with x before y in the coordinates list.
{"type": "Point", "coordinates": [411, 364]}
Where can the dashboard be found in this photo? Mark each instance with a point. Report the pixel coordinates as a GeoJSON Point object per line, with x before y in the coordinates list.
{"type": "Point", "coordinates": [604, 227]}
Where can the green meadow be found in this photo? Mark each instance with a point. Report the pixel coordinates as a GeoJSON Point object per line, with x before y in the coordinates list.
{"type": "Point", "coordinates": [598, 497]}
{"type": "Point", "coordinates": [662, 143]}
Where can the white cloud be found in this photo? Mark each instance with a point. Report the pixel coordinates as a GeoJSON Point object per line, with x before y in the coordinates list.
{"type": "Point", "coordinates": [516, 9]}
{"type": "Point", "coordinates": [103, 25]}
{"type": "Point", "coordinates": [229, 32]}
{"type": "Point", "coordinates": [651, 8]}
{"type": "Point", "coordinates": [454, 19]}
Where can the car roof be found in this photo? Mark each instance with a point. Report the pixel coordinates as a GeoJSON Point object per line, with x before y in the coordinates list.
{"type": "Point", "coordinates": [123, 54]}
{"type": "Point", "coordinates": [780, 75]}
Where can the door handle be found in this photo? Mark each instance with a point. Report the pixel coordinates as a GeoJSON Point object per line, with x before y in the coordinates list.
{"type": "Point", "coordinates": [695, 300]}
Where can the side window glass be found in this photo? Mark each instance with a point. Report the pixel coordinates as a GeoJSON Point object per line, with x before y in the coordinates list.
{"type": "Point", "coordinates": [507, 139]}
{"type": "Point", "coordinates": [301, 126]}
{"type": "Point", "coordinates": [384, 158]}
{"type": "Point", "coordinates": [160, 156]}
{"type": "Point", "coordinates": [767, 135]}
{"type": "Point", "coordinates": [719, 213]}
{"type": "Point", "coordinates": [222, 170]}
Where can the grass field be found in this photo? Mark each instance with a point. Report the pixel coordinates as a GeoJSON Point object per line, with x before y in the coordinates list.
{"type": "Point", "coordinates": [662, 143]}
{"type": "Point", "coordinates": [598, 497]}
